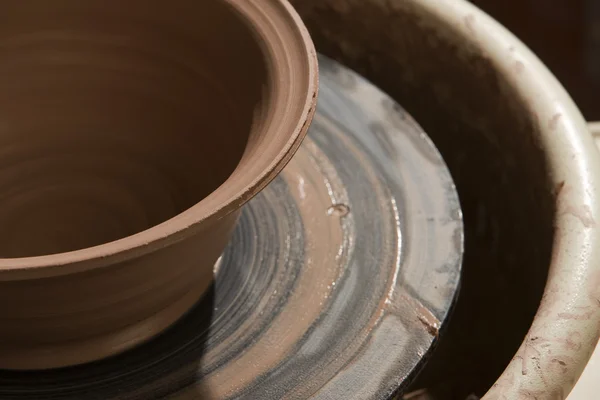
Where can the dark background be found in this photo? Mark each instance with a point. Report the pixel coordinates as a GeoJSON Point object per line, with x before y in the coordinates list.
{"type": "Point", "coordinates": [565, 34]}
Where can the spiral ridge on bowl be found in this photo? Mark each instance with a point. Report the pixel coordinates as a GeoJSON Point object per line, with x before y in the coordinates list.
{"type": "Point", "coordinates": [114, 121]}
{"type": "Point", "coordinates": [130, 136]}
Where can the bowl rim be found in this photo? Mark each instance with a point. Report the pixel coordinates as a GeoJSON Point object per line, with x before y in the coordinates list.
{"type": "Point", "coordinates": [204, 213]}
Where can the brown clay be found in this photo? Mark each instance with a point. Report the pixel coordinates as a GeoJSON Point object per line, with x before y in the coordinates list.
{"type": "Point", "coordinates": [130, 135]}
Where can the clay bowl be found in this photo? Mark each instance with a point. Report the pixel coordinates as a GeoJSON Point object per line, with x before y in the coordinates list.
{"type": "Point", "coordinates": [527, 174]}
{"type": "Point", "coordinates": [130, 136]}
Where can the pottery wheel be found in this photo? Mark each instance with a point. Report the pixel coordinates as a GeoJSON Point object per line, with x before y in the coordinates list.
{"type": "Point", "coordinates": [336, 283]}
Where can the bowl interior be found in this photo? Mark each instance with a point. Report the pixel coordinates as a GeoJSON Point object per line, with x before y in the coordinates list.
{"type": "Point", "coordinates": [115, 117]}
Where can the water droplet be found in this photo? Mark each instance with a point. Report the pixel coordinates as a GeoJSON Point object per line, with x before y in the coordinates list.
{"type": "Point", "coordinates": [338, 210]}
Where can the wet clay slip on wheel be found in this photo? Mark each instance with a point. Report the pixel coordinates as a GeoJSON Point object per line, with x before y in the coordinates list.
{"type": "Point", "coordinates": [130, 136]}
{"type": "Point", "coordinates": [527, 174]}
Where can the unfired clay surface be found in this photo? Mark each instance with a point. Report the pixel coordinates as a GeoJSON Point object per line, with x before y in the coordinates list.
{"type": "Point", "coordinates": [130, 135]}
